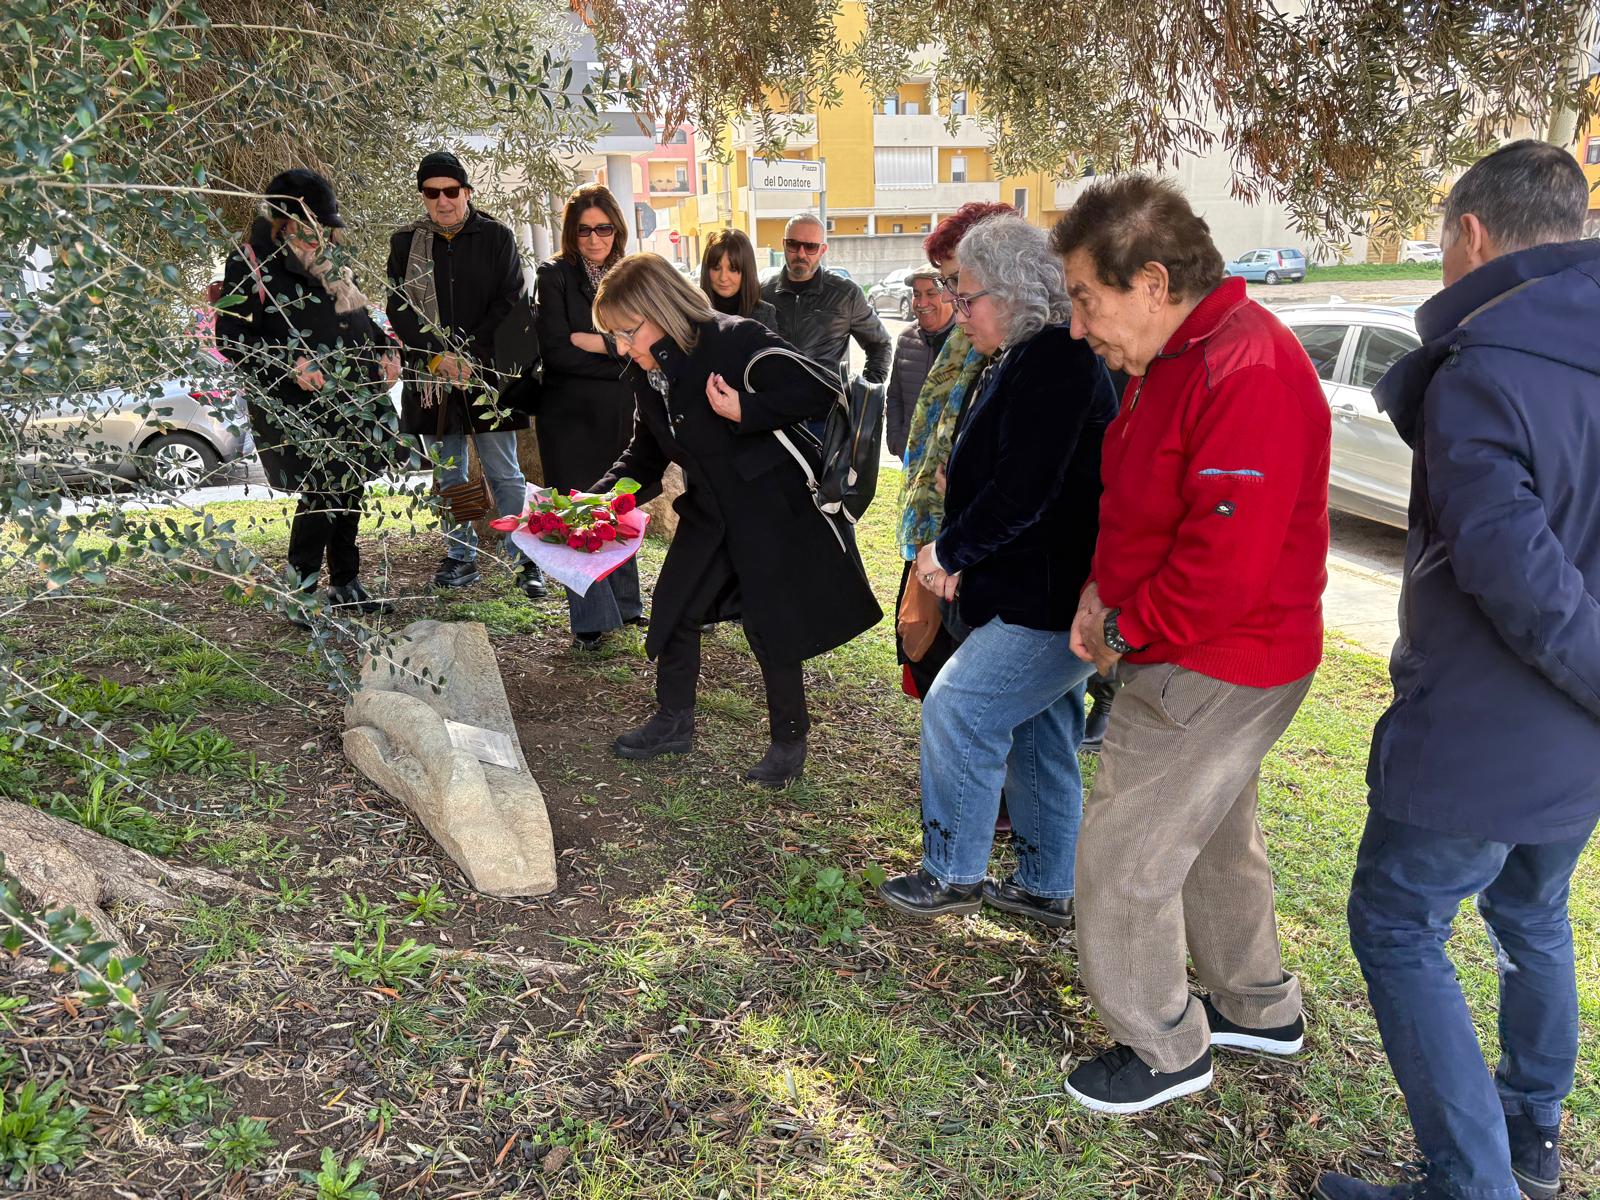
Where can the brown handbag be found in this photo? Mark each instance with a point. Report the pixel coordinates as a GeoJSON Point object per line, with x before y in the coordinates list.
{"type": "Point", "coordinates": [470, 500]}
{"type": "Point", "coordinates": [918, 620]}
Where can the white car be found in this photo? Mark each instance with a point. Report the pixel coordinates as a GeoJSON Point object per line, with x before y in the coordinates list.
{"type": "Point", "coordinates": [1352, 346]}
{"type": "Point", "coordinates": [1421, 252]}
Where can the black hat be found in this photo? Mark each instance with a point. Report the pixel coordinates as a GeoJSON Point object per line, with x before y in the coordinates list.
{"type": "Point", "coordinates": [299, 192]}
{"type": "Point", "coordinates": [441, 163]}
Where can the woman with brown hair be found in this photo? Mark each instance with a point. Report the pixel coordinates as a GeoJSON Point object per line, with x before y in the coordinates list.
{"type": "Point", "coordinates": [712, 390]}
{"type": "Point", "coordinates": [585, 414]}
{"type": "Point", "coordinates": [728, 278]}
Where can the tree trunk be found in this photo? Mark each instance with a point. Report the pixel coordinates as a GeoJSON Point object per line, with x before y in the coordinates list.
{"type": "Point", "coordinates": [62, 865]}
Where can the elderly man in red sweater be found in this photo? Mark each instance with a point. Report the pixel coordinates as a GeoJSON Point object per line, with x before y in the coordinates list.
{"type": "Point", "coordinates": [1206, 600]}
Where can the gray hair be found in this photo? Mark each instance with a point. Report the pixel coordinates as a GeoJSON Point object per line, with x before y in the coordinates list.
{"type": "Point", "coordinates": [917, 274]}
{"type": "Point", "coordinates": [1527, 193]}
{"type": "Point", "coordinates": [804, 218]}
{"type": "Point", "coordinates": [1012, 260]}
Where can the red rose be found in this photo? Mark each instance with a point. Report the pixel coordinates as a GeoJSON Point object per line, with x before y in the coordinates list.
{"type": "Point", "coordinates": [575, 540]}
{"type": "Point", "coordinates": [606, 532]}
{"type": "Point", "coordinates": [624, 504]}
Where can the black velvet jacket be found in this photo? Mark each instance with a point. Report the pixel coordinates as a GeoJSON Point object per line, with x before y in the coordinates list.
{"type": "Point", "coordinates": [1023, 494]}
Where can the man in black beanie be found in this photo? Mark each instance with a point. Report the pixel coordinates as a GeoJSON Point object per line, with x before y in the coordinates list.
{"type": "Point", "coordinates": [454, 276]}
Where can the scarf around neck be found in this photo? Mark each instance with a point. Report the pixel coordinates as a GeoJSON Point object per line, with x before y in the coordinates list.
{"type": "Point", "coordinates": [422, 293]}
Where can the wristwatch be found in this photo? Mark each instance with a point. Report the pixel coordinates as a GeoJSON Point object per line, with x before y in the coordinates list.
{"type": "Point", "coordinates": [1113, 635]}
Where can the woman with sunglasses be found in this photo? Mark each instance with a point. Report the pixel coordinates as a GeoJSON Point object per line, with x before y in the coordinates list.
{"type": "Point", "coordinates": [712, 390]}
{"type": "Point", "coordinates": [728, 278]}
{"type": "Point", "coordinates": [585, 414]}
{"type": "Point", "coordinates": [1021, 513]}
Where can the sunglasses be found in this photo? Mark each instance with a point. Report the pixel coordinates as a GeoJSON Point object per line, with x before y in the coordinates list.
{"type": "Point", "coordinates": [449, 193]}
{"type": "Point", "coordinates": [802, 247]}
{"type": "Point", "coordinates": [964, 303]}
{"type": "Point", "coordinates": [599, 231]}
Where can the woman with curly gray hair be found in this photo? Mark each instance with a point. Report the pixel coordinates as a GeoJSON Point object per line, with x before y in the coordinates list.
{"type": "Point", "coordinates": [1021, 514]}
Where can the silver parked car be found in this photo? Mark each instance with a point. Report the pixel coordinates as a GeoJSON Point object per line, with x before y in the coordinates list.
{"type": "Point", "coordinates": [177, 437]}
{"type": "Point", "coordinates": [1352, 346]}
{"type": "Point", "coordinates": [892, 294]}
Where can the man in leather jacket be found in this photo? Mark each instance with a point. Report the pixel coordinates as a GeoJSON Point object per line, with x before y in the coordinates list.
{"type": "Point", "coordinates": [818, 311]}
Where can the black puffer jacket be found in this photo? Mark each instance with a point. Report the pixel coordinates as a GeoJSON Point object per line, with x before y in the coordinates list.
{"type": "Point", "coordinates": [478, 278]}
{"type": "Point", "coordinates": [820, 319]}
{"type": "Point", "coordinates": [329, 441]}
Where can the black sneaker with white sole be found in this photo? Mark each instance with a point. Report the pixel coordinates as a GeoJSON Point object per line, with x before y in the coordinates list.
{"type": "Point", "coordinates": [1121, 1082]}
{"type": "Point", "coordinates": [1535, 1157]}
{"type": "Point", "coordinates": [1284, 1040]}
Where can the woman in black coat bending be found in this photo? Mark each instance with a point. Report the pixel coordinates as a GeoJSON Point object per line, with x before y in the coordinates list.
{"type": "Point", "coordinates": [585, 411]}
{"type": "Point", "coordinates": [298, 327]}
{"type": "Point", "coordinates": [711, 390]}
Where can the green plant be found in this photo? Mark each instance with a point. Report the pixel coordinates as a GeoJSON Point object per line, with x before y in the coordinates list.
{"type": "Point", "coordinates": [290, 898]}
{"type": "Point", "coordinates": [429, 905]}
{"type": "Point", "coordinates": [824, 899]}
{"type": "Point", "coordinates": [102, 809]}
{"type": "Point", "coordinates": [177, 1099]}
{"type": "Point", "coordinates": [380, 963]}
{"type": "Point", "coordinates": [38, 1130]}
{"type": "Point", "coordinates": [363, 912]}
{"type": "Point", "coordinates": [224, 930]}
{"type": "Point", "coordinates": [334, 1182]}
{"type": "Point", "coordinates": [240, 1143]}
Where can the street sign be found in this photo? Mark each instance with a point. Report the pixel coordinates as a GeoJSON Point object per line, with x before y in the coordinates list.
{"type": "Point", "coordinates": [786, 175]}
{"type": "Point", "coordinates": [673, 237]}
{"type": "Point", "coordinates": [644, 220]}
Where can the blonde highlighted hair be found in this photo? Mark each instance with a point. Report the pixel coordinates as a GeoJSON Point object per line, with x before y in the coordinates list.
{"type": "Point", "coordinates": [648, 286]}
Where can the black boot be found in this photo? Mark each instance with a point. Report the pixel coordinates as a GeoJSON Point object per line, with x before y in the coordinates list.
{"type": "Point", "coordinates": [926, 895]}
{"type": "Point", "coordinates": [1009, 896]}
{"type": "Point", "coordinates": [783, 763]}
{"type": "Point", "coordinates": [456, 573]}
{"type": "Point", "coordinates": [668, 732]}
{"type": "Point", "coordinates": [353, 596]}
{"type": "Point", "coordinates": [1103, 692]}
{"type": "Point", "coordinates": [530, 579]}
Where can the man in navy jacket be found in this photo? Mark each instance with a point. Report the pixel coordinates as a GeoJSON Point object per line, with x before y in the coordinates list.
{"type": "Point", "coordinates": [1485, 772]}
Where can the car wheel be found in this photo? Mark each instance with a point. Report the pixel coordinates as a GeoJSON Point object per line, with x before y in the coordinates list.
{"type": "Point", "coordinates": [905, 308]}
{"type": "Point", "coordinates": [1270, 277]}
{"type": "Point", "coordinates": [178, 461]}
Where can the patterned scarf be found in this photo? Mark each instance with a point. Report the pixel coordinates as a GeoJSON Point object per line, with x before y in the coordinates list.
{"type": "Point", "coordinates": [933, 424]}
{"type": "Point", "coordinates": [595, 271]}
{"type": "Point", "coordinates": [423, 296]}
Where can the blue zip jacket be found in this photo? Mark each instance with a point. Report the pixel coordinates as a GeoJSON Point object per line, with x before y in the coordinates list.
{"type": "Point", "coordinates": [1494, 731]}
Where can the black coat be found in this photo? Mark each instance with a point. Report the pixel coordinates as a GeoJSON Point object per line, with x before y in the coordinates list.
{"type": "Point", "coordinates": [585, 414]}
{"type": "Point", "coordinates": [802, 588]}
{"type": "Point", "coordinates": [331, 441]}
{"type": "Point", "coordinates": [478, 278]}
{"type": "Point", "coordinates": [1022, 497]}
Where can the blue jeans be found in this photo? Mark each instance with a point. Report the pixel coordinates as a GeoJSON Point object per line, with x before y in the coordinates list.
{"type": "Point", "coordinates": [1409, 883]}
{"type": "Point", "coordinates": [1006, 711]}
{"type": "Point", "coordinates": [609, 602]}
{"type": "Point", "coordinates": [497, 455]}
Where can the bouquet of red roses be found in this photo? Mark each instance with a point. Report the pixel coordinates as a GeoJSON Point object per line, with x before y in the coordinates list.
{"type": "Point", "coordinates": [578, 539]}
{"type": "Point", "coordinates": [577, 520]}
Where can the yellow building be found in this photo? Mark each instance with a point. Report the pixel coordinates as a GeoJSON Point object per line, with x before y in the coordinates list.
{"type": "Point", "coordinates": [1588, 152]}
{"type": "Point", "coordinates": [893, 169]}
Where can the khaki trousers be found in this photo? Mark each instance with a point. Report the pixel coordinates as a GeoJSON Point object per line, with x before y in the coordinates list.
{"type": "Point", "coordinates": [1171, 857]}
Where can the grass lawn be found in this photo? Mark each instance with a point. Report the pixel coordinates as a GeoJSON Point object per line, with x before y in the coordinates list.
{"type": "Point", "coordinates": [712, 1005]}
{"type": "Point", "coordinates": [1315, 274]}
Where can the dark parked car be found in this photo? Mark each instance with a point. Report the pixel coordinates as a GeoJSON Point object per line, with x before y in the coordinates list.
{"type": "Point", "coordinates": [892, 294]}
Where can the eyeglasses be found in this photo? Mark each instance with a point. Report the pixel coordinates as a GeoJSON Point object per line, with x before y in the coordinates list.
{"type": "Point", "coordinates": [599, 231]}
{"type": "Point", "coordinates": [964, 303]}
{"type": "Point", "coordinates": [449, 193]}
{"type": "Point", "coordinates": [800, 247]}
{"type": "Point", "coordinates": [950, 282]}
{"type": "Point", "coordinates": [627, 335]}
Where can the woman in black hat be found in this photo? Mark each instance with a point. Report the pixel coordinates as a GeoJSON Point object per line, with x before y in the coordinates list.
{"type": "Point", "coordinates": [295, 323]}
